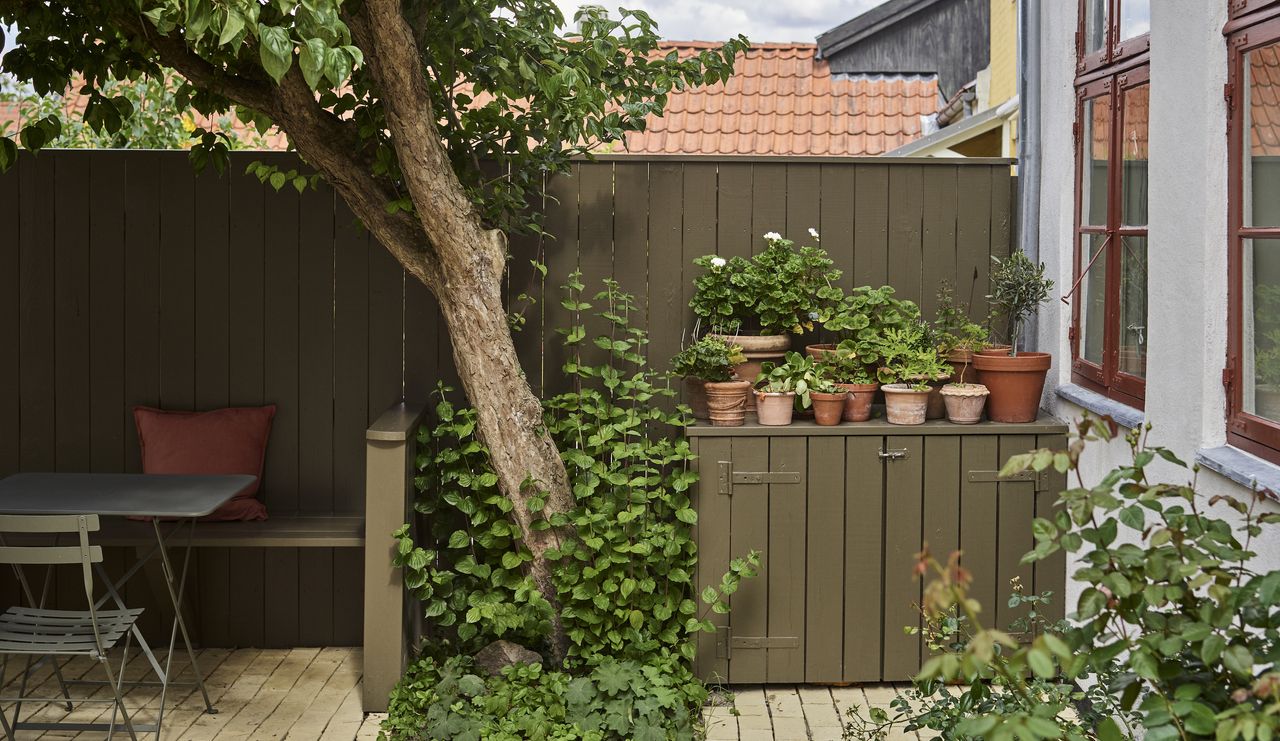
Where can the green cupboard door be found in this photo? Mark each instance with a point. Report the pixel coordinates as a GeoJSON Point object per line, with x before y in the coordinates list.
{"type": "Point", "coordinates": [1051, 573]}
{"type": "Point", "coordinates": [824, 603]}
{"type": "Point", "coordinates": [749, 530]}
{"type": "Point", "coordinates": [711, 533]}
{"type": "Point", "coordinates": [1017, 510]}
{"type": "Point", "coordinates": [787, 577]}
{"type": "Point", "coordinates": [978, 512]}
{"type": "Point", "coordinates": [903, 515]}
{"type": "Point", "coordinates": [863, 558]}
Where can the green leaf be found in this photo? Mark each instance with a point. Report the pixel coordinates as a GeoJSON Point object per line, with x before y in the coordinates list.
{"type": "Point", "coordinates": [311, 60]}
{"type": "Point", "coordinates": [1041, 663]}
{"type": "Point", "coordinates": [1238, 661]}
{"type": "Point", "coordinates": [1109, 730]}
{"type": "Point", "coordinates": [231, 27]}
{"type": "Point", "coordinates": [275, 49]}
{"type": "Point", "coordinates": [687, 515]}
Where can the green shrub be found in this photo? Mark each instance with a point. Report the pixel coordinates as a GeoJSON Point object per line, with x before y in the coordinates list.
{"type": "Point", "coordinates": [862, 317]}
{"type": "Point", "coordinates": [951, 326]}
{"type": "Point", "coordinates": [800, 374]}
{"type": "Point", "coordinates": [1018, 287]}
{"type": "Point", "coordinates": [908, 355]}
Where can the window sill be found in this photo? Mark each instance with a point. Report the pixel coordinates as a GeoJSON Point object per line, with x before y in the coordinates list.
{"type": "Point", "coordinates": [1243, 468]}
{"type": "Point", "coordinates": [1123, 414]}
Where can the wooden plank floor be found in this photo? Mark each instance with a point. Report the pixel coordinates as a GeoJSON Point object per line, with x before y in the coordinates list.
{"type": "Point", "coordinates": [800, 713]}
{"type": "Point", "coordinates": [302, 694]}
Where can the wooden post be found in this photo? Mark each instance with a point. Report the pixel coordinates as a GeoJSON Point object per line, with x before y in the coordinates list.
{"type": "Point", "coordinates": [389, 452]}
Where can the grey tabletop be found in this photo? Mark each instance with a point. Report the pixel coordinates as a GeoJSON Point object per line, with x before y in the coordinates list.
{"type": "Point", "coordinates": [121, 494]}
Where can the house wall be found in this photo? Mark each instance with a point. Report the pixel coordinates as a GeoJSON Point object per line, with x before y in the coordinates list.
{"type": "Point", "coordinates": [1187, 282]}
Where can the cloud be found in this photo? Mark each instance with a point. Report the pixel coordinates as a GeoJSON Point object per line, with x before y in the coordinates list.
{"type": "Point", "coordinates": [714, 20]}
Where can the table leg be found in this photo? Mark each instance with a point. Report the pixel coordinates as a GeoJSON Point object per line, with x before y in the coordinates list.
{"type": "Point", "coordinates": [176, 598]}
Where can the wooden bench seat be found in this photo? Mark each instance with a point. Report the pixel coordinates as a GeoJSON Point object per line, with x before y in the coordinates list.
{"type": "Point", "coordinates": [278, 531]}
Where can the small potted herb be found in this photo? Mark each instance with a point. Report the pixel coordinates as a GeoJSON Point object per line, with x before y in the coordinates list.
{"type": "Point", "coordinates": [758, 303]}
{"type": "Point", "coordinates": [958, 338]}
{"type": "Point", "coordinates": [847, 368]}
{"type": "Point", "coordinates": [863, 316]}
{"type": "Point", "coordinates": [787, 385]}
{"type": "Point", "coordinates": [712, 390]}
{"type": "Point", "coordinates": [1015, 379]}
{"type": "Point", "coordinates": [910, 365]}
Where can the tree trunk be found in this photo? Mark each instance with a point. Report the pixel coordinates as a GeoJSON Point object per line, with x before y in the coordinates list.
{"type": "Point", "coordinates": [509, 419]}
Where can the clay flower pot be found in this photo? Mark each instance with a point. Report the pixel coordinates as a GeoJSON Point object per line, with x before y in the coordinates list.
{"type": "Point", "coordinates": [828, 408]}
{"type": "Point", "coordinates": [727, 402]}
{"type": "Point", "coordinates": [937, 408]}
{"type": "Point", "coordinates": [962, 365]}
{"type": "Point", "coordinates": [857, 406]}
{"type": "Point", "coordinates": [965, 402]}
{"type": "Point", "coordinates": [756, 348]}
{"type": "Point", "coordinates": [904, 405]}
{"type": "Point", "coordinates": [774, 408]}
{"type": "Point", "coordinates": [818, 351]}
{"type": "Point", "coordinates": [695, 395]}
{"type": "Point", "coordinates": [1015, 382]}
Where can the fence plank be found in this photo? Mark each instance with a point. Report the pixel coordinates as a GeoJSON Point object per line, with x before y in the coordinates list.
{"type": "Point", "coordinates": [825, 575]}
{"type": "Point", "coordinates": [72, 281]}
{"type": "Point", "coordinates": [212, 291]}
{"type": "Point", "coordinates": [386, 331]}
{"type": "Point", "coordinates": [631, 237]}
{"type": "Point", "coordinates": [871, 225]}
{"type": "Point", "coordinates": [177, 285]}
{"type": "Point", "coordinates": [666, 265]}
{"type": "Point", "coordinates": [246, 287]}
{"type": "Point", "coordinates": [863, 559]}
{"type": "Point", "coordinates": [733, 210]}
{"type": "Point", "coordinates": [939, 240]}
{"type": "Point", "coordinates": [106, 312]}
{"type": "Point", "coordinates": [351, 360]}
{"type": "Point", "coordinates": [595, 250]}
{"type": "Point", "coordinates": [903, 512]}
{"type": "Point", "coordinates": [281, 356]}
{"type": "Point", "coordinates": [524, 279]}
{"type": "Point", "coordinates": [12, 213]}
{"type": "Point", "coordinates": [836, 229]}
{"type": "Point", "coordinates": [36, 313]}
{"type": "Point", "coordinates": [768, 202]}
{"type": "Point", "coordinates": [804, 201]}
{"type": "Point", "coordinates": [973, 233]}
{"type": "Point", "coordinates": [906, 225]}
{"type": "Point", "coordinates": [562, 259]}
{"type": "Point", "coordinates": [315, 350]}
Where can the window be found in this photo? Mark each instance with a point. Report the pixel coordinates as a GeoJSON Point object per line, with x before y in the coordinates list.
{"type": "Point", "coordinates": [1109, 298]}
{"type": "Point", "coordinates": [1252, 375]}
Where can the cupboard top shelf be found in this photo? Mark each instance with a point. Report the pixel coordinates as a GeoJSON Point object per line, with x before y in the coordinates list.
{"type": "Point", "coordinates": [1045, 425]}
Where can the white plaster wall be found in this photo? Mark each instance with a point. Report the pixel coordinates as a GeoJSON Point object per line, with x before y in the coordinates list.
{"type": "Point", "coordinates": [1187, 283]}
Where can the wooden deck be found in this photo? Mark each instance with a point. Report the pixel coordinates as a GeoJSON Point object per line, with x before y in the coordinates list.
{"type": "Point", "coordinates": [803, 713]}
{"type": "Point", "coordinates": [307, 694]}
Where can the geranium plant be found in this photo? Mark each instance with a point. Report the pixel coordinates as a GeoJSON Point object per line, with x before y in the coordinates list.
{"type": "Point", "coordinates": [908, 356]}
{"type": "Point", "coordinates": [799, 373]}
{"type": "Point", "coordinates": [852, 362]}
{"type": "Point", "coordinates": [863, 316]}
{"type": "Point", "coordinates": [784, 289]}
{"type": "Point", "coordinates": [710, 358]}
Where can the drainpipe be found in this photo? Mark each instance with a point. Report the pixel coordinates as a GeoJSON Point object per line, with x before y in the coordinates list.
{"type": "Point", "coordinates": [1029, 139]}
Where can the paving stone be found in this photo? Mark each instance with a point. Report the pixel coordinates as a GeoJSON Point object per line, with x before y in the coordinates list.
{"type": "Point", "coordinates": [755, 723]}
{"type": "Point", "coordinates": [785, 703]}
{"type": "Point", "coordinates": [824, 733]}
{"type": "Point", "coordinates": [755, 735]}
{"type": "Point", "coordinates": [790, 729]}
{"type": "Point", "coordinates": [722, 729]}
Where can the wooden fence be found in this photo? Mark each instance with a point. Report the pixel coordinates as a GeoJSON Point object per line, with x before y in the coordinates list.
{"type": "Point", "coordinates": [125, 279]}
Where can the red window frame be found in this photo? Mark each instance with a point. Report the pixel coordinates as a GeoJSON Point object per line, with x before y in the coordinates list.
{"type": "Point", "coordinates": [1245, 32]}
{"type": "Point", "coordinates": [1110, 73]}
{"type": "Point", "coordinates": [1114, 49]}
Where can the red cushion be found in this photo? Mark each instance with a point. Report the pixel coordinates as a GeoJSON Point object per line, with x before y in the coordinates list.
{"type": "Point", "coordinates": [222, 441]}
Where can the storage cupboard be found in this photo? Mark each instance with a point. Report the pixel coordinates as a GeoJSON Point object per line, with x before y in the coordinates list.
{"type": "Point", "coordinates": [838, 514]}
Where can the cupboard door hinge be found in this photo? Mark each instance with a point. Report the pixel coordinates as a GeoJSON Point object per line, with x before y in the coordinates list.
{"type": "Point", "coordinates": [727, 477]}
{"type": "Point", "coordinates": [1228, 376]}
{"type": "Point", "coordinates": [1041, 479]}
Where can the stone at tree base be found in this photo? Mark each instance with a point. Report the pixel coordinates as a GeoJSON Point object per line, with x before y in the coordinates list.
{"type": "Point", "coordinates": [495, 657]}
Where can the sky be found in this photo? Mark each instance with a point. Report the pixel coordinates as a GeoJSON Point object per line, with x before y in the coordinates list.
{"type": "Point", "coordinates": [759, 20]}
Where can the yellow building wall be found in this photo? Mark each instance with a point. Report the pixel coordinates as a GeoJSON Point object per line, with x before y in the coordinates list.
{"type": "Point", "coordinates": [1004, 51]}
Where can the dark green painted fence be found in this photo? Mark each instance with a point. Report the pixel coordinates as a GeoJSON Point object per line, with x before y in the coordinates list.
{"type": "Point", "coordinates": [126, 280]}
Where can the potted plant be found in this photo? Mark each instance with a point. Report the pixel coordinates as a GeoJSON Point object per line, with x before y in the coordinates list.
{"type": "Point", "coordinates": [828, 402]}
{"type": "Point", "coordinates": [1015, 379]}
{"type": "Point", "coordinates": [862, 316]}
{"type": "Point", "coordinates": [712, 390]}
{"type": "Point", "coordinates": [909, 371]}
{"type": "Point", "coordinates": [958, 338]}
{"type": "Point", "coordinates": [758, 303]}
{"type": "Point", "coordinates": [790, 383]}
{"type": "Point", "coordinates": [845, 366]}
{"type": "Point", "coordinates": [965, 402]}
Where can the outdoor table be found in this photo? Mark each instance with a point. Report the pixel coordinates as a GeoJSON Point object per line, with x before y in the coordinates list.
{"type": "Point", "coordinates": [179, 500]}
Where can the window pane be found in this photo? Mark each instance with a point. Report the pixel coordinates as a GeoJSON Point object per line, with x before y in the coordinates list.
{"type": "Point", "coordinates": [1093, 298]}
{"type": "Point", "coordinates": [1260, 328]}
{"type": "Point", "coordinates": [1133, 306]}
{"type": "Point", "coordinates": [1135, 18]}
{"type": "Point", "coordinates": [1095, 25]}
{"type": "Point", "coordinates": [1095, 146]}
{"type": "Point", "coordinates": [1133, 145]}
{"type": "Point", "coordinates": [1261, 167]}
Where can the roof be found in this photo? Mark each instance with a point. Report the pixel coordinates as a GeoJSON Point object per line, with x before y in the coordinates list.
{"type": "Point", "coordinates": [783, 100]}
{"type": "Point", "coordinates": [1264, 108]}
{"type": "Point", "coordinates": [869, 24]}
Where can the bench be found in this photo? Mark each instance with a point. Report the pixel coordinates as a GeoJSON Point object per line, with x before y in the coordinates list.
{"type": "Point", "coordinates": [278, 531]}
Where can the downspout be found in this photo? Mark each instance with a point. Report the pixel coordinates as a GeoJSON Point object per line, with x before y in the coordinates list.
{"type": "Point", "coordinates": [1029, 140]}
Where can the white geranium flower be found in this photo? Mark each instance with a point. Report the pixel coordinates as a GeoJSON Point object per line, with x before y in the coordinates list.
{"type": "Point", "coordinates": [717, 262]}
{"type": "Point", "coordinates": [813, 232]}
{"type": "Point", "coordinates": [772, 236]}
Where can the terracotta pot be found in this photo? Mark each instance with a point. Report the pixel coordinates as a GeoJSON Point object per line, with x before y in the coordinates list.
{"type": "Point", "coordinates": [857, 406]}
{"type": "Point", "coordinates": [695, 395]}
{"type": "Point", "coordinates": [1015, 382]}
{"type": "Point", "coordinates": [757, 349]}
{"type": "Point", "coordinates": [828, 408]}
{"type": "Point", "coordinates": [937, 408]}
{"type": "Point", "coordinates": [904, 405]}
{"type": "Point", "coordinates": [774, 408]}
{"type": "Point", "coordinates": [819, 350]}
{"type": "Point", "coordinates": [965, 402]}
{"type": "Point", "coordinates": [961, 364]}
{"type": "Point", "coordinates": [727, 402]}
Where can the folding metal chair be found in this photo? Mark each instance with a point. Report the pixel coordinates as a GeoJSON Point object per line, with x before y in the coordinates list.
{"type": "Point", "coordinates": [40, 634]}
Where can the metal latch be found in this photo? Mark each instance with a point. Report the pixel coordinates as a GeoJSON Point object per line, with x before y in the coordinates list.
{"type": "Point", "coordinates": [1041, 479]}
{"type": "Point", "coordinates": [894, 454]}
{"type": "Point", "coordinates": [728, 477]}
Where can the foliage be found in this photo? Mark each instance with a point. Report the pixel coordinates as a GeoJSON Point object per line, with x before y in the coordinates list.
{"type": "Point", "coordinates": [1018, 287]}
{"type": "Point", "coordinates": [951, 325]}
{"type": "Point", "coordinates": [507, 86]}
{"type": "Point", "coordinates": [614, 700]}
{"type": "Point", "coordinates": [153, 116]}
{"type": "Point", "coordinates": [624, 576]}
{"type": "Point", "coordinates": [845, 364]}
{"type": "Point", "coordinates": [932, 705]}
{"type": "Point", "coordinates": [862, 317]}
{"type": "Point", "coordinates": [782, 289]}
{"type": "Point", "coordinates": [709, 358]}
{"type": "Point", "coordinates": [799, 374]}
{"type": "Point", "coordinates": [908, 355]}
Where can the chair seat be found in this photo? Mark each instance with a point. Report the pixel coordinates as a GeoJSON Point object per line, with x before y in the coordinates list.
{"type": "Point", "coordinates": [29, 630]}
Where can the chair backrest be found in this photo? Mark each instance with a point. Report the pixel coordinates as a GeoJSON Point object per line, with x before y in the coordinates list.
{"type": "Point", "coordinates": [81, 553]}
